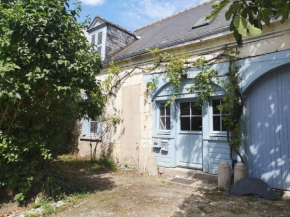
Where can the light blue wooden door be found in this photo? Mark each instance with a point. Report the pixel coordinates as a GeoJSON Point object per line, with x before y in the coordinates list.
{"type": "Point", "coordinates": [189, 139]}
{"type": "Point", "coordinates": [269, 128]}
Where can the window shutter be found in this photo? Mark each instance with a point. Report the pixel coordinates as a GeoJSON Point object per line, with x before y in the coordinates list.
{"type": "Point", "coordinates": [100, 38]}
{"type": "Point", "coordinates": [93, 42]}
{"type": "Point", "coordinates": [85, 127]}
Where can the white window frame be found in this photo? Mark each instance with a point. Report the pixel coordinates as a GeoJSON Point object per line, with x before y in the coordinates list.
{"type": "Point", "coordinates": [190, 116]}
{"type": "Point", "coordinates": [97, 45]}
{"type": "Point", "coordinates": [165, 116]}
{"type": "Point", "coordinates": [98, 128]}
{"type": "Point", "coordinates": [212, 132]}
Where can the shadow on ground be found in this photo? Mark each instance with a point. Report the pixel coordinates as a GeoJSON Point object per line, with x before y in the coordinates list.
{"type": "Point", "coordinates": [221, 203]}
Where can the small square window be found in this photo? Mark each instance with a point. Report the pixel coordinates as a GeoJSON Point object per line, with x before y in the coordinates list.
{"type": "Point", "coordinates": [94, 127]}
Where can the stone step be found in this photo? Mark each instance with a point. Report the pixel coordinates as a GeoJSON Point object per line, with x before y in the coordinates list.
{"type": "Point", "coordinates": [187, 173]}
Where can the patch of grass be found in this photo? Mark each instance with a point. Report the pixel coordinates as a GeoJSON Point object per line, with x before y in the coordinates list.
{"type": "Point", "coordinates": [250, 199]}
{"type": "Point", "coordinates": [202, 190]}
{"type": "Point", "coordinates": [42, 202]}
{"type": "Point", "coordinates": [48, 209]}
{"type": "Point", "coordinates": [104, 164]}
{"type": "Point", "coordinates": [238, 211]}
{"type": "Point", "coordinates": [202, 208]}
{"type": "Point", "coordinates": [104, 198]}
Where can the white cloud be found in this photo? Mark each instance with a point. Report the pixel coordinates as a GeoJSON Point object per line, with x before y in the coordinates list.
{"type": "Point", "coordinates": [156, 9]}
{"type": "Point", "coordinates": [137, 13]}
{"type": "Point", "coordinates": [93, 2]}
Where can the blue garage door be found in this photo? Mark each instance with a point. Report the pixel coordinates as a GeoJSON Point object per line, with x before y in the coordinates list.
{"type": "Point", "coordinates": [269, 123]}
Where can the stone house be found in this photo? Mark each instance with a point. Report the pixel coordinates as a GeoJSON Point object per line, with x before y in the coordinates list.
{"type": "Point", "coordinates": [182, 136]}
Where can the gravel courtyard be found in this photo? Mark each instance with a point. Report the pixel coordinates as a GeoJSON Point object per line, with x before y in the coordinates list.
{"type": "Point", "coordinates": [131, 194]}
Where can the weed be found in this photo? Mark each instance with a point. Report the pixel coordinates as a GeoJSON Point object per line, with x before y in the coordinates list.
{"type": "Point", "coordinates": [202, 190]}
{"type": "Point", "coordinates": [202, 208]}
{"type": "Point", "coordinates": [222, 189]}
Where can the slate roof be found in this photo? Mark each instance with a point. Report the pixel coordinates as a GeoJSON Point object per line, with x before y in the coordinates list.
{"type": "Point", "coordinates": [92, 26]}
{"type": "Point", "coordinates": [174, 30]}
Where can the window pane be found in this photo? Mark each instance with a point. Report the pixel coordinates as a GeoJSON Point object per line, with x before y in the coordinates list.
{"type": "Point", "coordinates": [168, 123]}
{"type": "Point", "coordinates": [215, 104]}
{"type": "Point", "coordinates": [223, 126]}
{"type": "Point", "coordinates": [100, 38]}
{"type": "Point", "coordinates": [195, 110]}
{"type": "Point", "coordinates": [100, 50]}
{"type": "Point", "coordinates": [216, 123]}
{"type": "Point", "coordinates": [185, 108]}
{"type": "Point", "coordinates": [167, 110]}
{"type": "Point", "coordinates": [94, 127]}
{"type": "Point", "coordinates": [162, 123]}
{"type": "Point", "coordinates": [162, 109]}
{"type": "Point", "coordinates": [196, 123]}
{"type": "Point", "coordinates": [185, 123]}
{"type": "Point", "coordinates": [93, 40]}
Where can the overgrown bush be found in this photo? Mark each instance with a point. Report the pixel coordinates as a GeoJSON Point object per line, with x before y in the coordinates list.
{"type": "Point", "coordinates": [45, 65]}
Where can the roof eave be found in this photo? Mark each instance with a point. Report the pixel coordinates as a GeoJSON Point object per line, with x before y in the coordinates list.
{"type": "Point", "coordinates": [170, 44]}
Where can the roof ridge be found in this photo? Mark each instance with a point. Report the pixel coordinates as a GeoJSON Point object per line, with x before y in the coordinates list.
{"type": "Point", "coordinates": [113, 24]}
{"type": "Point", "coordinates": [173, 15]}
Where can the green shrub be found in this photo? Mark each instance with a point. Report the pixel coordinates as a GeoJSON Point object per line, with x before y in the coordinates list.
{"type": "Point", "coordinates": [45, 63]}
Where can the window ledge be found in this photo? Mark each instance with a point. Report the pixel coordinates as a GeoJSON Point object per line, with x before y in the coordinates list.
{"type": "Point", "coordinates": [90, 138]}
{"type": "Point", "coordinates": [218, 134]}
{"type": "Point", "coordinates": [191, 132]}
{"type": "Point", "coordinates": [163, 133]}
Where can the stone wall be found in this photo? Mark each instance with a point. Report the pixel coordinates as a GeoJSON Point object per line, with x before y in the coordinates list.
{"type": "Point", "coordinates": [117, 40]}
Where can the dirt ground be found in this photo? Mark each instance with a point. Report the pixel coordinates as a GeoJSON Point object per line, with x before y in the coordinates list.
{"type": "Point", "coordinates": [130, 194]}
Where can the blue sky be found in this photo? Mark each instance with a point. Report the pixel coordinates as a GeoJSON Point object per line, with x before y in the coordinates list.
{"type": "Point", "coordinates": [132, 14]}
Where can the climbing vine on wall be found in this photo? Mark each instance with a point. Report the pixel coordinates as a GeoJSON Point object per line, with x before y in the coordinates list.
{"type": "Point", "coordinates": [175, 67]}
{"type": "Point", "coordinates": [233, 101]}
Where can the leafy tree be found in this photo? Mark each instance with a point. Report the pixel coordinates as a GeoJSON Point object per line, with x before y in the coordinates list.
{"type": "Point", "coordinates": [249, 16]}
{"type": "Point", "coordinates": [45, 65]}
